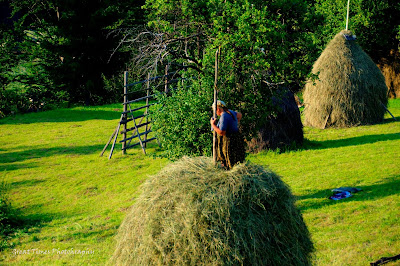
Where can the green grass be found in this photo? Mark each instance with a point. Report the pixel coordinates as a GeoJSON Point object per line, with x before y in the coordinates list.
{"type": "Point", "coordinates": [70, 199]}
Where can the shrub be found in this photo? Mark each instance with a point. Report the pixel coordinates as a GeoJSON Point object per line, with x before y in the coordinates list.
{"type": "Point", "coordinates": [181, 122]}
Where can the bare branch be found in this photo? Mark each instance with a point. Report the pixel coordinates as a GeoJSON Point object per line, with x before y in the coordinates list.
{"type": "Point", "coordinates": [149, 49]}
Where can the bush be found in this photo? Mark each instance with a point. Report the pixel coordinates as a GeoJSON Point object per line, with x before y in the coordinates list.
{"type": "Point", "coordinates": [181, 122]}
{"type": "Point", "coordinates": [193, 213]}
{"type": "Point", "coordinates": [11, 101]}
{"type": "Point", "coordinates": [27, 88]}
{"type": "Point", "coordinates": [257, 44]}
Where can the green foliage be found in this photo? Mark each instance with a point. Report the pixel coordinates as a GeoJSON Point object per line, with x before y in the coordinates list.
{"type": "Point", "coordinates": [374, 22]}
{"type": "Point", "coordinates": [28, 89]}
{"type": "Point", "coordinates": [259, 43]}
{"type": "Point", "coordinates": [182, 122]}
{"type": "Point", "coordinates": [62, 46]}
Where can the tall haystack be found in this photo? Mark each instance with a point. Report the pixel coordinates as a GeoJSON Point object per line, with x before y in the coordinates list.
{"type": "Point", "coordinates": [350, 89]}
{"type": "Point", "coordinates": [282, 129]}
{"type": "Point", "coordinates": [193, 213]}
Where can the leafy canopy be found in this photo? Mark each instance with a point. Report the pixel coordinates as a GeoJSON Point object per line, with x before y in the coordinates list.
{"type": "Point", "coordinates": [260, 43]}
{"type": "Point", "coordinates": [376, 23]}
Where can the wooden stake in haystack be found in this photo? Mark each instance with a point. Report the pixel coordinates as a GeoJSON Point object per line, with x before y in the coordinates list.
{"type": "Point", "coordinates": [215, 104]}
{"type": "Point", "coordinates": [347, 17]}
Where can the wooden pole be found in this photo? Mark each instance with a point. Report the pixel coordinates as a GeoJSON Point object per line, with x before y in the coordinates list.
{"type": "Point", "coordinates": [215, 107]}
{"type": "Point", "coordinates": [115, 139]}
{"type": "Point", "coordinates": [105, 147]}
{"type": "Point", "coordinates": [166, 79]}
{"type": "Point", "coordinates": [347, 17]}
{"type": "Point", "coordinates": [147, 108]}
{"type": "Point", "coordinates": [387, 110]}
{"type": "Point", "coordinates": [138, 134]}
{"type": "Point", "coordinates": [125, 108]}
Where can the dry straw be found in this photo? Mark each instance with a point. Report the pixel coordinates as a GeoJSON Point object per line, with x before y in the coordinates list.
{"type": "Point", "coordinates": [350, 89]}
{"type": "Point", "coordinates": [194, 213]}
{"type": "Point", "coordinates": [282, 129]}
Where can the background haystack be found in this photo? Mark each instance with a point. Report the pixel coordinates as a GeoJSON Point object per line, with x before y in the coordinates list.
{"type": "Point", "coordinates": [390, 68]}
{"type": "Point", "coordinates": [194, 213]}
{"type": "Point", "coordinates": [350, 91]}
{"type": "Point", "coordinates": [282, 129]}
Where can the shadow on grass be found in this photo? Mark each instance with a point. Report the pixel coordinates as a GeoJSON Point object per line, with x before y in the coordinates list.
{"type": "Point", "coordinates": [61, 115]}
{"type": "Point", "coordinates": [16, 223]}
{"type": "Point", "coordinates": [25, 183]}
{"type": "Point", "coordinates": [390, 120]}
{"type": "Point", "coordinates": [361, 140]}
{"type": "Point", "coordinates": [389, 186]}
{"type": "Point", "coordinates": [9, 159]}
{"type": "Point", "coordinates": [15, 166]}
{"type": "Point", "coordinates": [36, 219]}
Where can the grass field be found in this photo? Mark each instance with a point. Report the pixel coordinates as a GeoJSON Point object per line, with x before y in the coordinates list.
{"type": "Point", "coordinates": [71, 201]}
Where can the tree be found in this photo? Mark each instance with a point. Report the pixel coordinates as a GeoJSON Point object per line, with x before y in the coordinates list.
{"type": "Point", "coordinates": [67, 43]}
{"type": "Point", "coordinates": [260, 44]}
{"type": "Point", "coordinates": [376, 23]}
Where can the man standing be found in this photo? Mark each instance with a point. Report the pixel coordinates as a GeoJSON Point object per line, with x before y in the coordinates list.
{"type": "Point", "coordinates": [230, 143]}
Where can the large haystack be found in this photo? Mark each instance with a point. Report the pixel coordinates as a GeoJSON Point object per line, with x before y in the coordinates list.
{"type": "Point", "coordinates": [350, 89]}
{"type": "Point", "coordinates": [193, 213]}
{"type": "Point", "coordinates": [282, 129]}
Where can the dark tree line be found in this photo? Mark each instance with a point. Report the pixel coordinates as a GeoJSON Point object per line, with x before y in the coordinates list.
{"type": "Point", "coordinates": [60, 51]}
{"type": "Point", "coordinates": [70, 51]}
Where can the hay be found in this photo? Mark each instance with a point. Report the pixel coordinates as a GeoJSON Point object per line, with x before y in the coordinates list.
{"type": "Point", "coordinates": [350, 90]}
{"type": "Point", "coordinates": [194, 213]}
{"type": "Point", "coordinates": [390, 68]}
{"type": "Point", "coordinates": [282, 130]}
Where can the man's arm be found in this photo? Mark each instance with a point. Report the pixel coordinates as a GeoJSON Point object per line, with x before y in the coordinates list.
{"type": "Point", "coordinates": [238, 116]}
{"type": "Point", "coordinates": [216, 129]}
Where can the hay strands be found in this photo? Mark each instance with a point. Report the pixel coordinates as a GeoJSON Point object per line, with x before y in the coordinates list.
{"type": "Point", "coordinates": [193, 213]}
{"type": "Point", "coordinates": [350, 87]}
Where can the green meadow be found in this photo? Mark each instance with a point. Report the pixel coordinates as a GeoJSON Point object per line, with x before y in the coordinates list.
{"type": "Point", "coordinates": [70, 201]}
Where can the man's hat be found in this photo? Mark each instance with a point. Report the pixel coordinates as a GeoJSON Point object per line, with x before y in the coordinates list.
{"type": "Point", "coordinates": [220, 104]}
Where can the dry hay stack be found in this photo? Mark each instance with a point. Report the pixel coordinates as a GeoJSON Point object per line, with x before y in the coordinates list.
{"type": "Point", "coordinates": [350, 91]}
{"type": "Point", "coordinates": [390, 68]}
{"type": "Point", "coordinates": [282, 129]}
{"type": "Point", "coordinates": [194, 213]}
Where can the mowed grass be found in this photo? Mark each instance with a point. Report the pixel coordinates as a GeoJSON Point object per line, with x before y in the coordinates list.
{"type": "Point", "coordinates": [72, 201]}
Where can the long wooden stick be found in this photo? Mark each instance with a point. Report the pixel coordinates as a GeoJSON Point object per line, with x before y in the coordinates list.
{"type": "Point", "coordinates": [125, 108]}
{"type": "Point", "coordinates": [387, 110]}
{"type": "Point", "coordinates": [137, 130]}
{"type": "Point", "coordinates": [105, 147]}
{"type": "Point", "coordinates": [147, 109]}
{"type": "Point", "coordinates": [215, 107]}
{"type": "Point", "coordinates": [115, 138]}
{"type": "Point", "coordinates": [347, 17]}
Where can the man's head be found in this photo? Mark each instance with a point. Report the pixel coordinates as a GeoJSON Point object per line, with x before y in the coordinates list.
{"type": "Point", "coordinates": [221, 106]}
